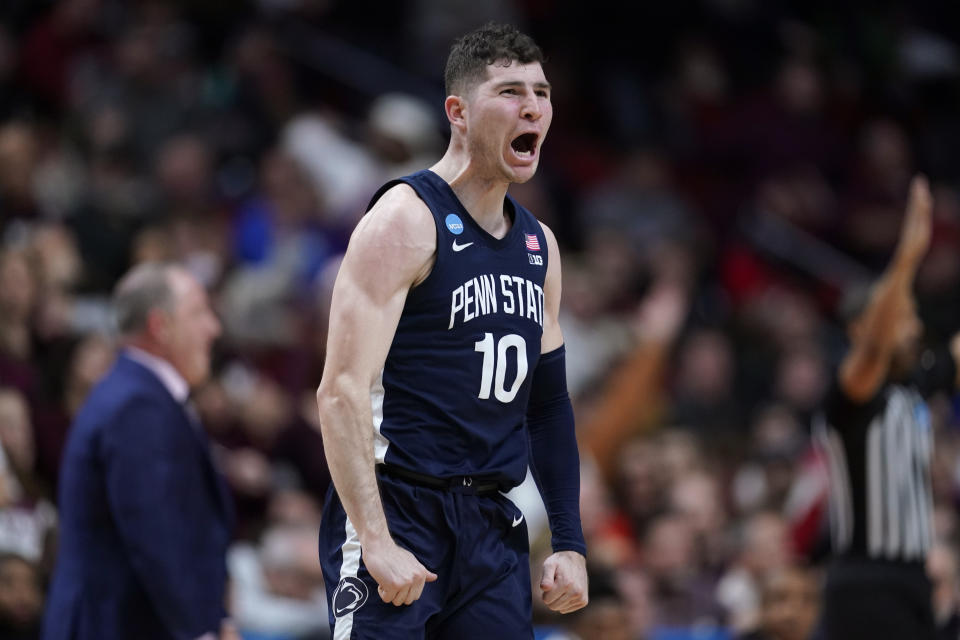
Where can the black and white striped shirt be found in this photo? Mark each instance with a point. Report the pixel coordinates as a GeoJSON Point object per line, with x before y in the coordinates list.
{"type": "Point", "coordinates": [879, 462]}
{"type": "Point", "coordinates": [879, 455]}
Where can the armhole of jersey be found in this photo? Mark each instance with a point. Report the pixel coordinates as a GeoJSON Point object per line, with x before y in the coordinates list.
{"type": "Point", "coordinates": [436, 222]}
{"type": "Point", "coordinates": [521, 212]}
{"type": "Point", "coordinates": [382, 190]}
{"type": "Point", "coordinates": [438, 252]}
{"type": "Point", "coordinates": [546, 245]}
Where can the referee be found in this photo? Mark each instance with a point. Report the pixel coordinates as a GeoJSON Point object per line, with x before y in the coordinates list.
{"type": "Point", "coordinates": [876, 434]}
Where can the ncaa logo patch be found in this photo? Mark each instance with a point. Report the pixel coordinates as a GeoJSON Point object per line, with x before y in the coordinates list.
{"type": "Point", "coordinates": [351, 594]}
{"type": "Point", "coordinates": [454, 224]}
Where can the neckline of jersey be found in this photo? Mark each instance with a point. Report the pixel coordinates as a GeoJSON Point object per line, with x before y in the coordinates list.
{"type": "Point", "coordinates": [486, 237]}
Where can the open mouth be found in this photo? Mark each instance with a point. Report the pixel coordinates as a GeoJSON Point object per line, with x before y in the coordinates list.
{"type": "Point", "coordinates": [525, 145]}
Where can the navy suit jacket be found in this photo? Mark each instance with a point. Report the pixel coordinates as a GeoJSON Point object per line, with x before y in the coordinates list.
{"type": "Point", "coordinates": [145, 519]}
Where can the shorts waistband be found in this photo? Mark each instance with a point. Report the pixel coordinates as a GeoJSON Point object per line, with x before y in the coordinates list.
{"type": "Point", "coordinates": [479, 485]}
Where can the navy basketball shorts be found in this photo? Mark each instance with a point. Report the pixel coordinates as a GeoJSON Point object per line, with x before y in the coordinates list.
{"type": "Point", "coordinates": [476, 544]}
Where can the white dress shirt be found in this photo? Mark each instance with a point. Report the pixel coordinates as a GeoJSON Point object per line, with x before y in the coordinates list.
{"type": "Point", "coordinates": [168, 375]}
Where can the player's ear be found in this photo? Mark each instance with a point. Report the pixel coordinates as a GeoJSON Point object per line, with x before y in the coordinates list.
{"type": "Point", "coordinates": [456, 108]}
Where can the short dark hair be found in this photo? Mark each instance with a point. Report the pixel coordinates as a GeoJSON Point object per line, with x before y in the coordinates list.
{"type": "Point", "coordinates": [142, 289]}
{"type": "Point", "coordinates": [491, 43]}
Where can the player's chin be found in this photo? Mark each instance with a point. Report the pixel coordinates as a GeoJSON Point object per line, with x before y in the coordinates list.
{"type": "Point", "coordinates": [523, 173]}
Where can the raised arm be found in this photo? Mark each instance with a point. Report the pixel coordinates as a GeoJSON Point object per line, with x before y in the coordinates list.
{"type": "Point", "coordinates": [391, 250]}
{"type": "Point", "coordinates": [867, 363]}
{"type": "Point", "coordinates": [554, 458]}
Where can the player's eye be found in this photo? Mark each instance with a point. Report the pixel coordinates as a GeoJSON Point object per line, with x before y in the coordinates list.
{"type": "Point", "coordinates": [511, 92]}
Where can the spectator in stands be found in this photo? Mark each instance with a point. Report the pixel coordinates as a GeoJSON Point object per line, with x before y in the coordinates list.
{"type": "Point", "coordinates": [21, 598]}
{"type": "Point", "coordinates": [277, 587]}
{"type": "Point", "coordinates": [27, 517]}
{"type": "Point", "coordinates": [763, 548]}
{"type": "Point", "coordinates": [682, 594]}
{"type": "Point", "coordinates": [789, 605]}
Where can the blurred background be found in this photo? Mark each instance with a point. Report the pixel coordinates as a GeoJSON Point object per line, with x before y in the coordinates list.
{"type": "Point", "coordinates": [721, 175]}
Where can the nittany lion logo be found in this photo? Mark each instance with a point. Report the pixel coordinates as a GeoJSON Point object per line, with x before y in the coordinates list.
{"type": "Point", "coordinates": [350, 595]}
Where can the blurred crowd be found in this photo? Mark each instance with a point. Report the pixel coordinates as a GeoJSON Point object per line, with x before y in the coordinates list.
{"type": "Point", "coordinates": [722, 176]}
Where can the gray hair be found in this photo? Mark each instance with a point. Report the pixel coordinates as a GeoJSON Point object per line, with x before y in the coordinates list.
{"type": "Point", "coordinates": [142, 289]}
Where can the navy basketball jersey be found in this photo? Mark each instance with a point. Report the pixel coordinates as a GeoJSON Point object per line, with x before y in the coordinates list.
{"type": "Point", "coordinates": [453, 394]}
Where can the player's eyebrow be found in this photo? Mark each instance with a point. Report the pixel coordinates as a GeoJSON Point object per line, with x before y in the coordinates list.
{"type": "Point", "coordinates": [519, 83]}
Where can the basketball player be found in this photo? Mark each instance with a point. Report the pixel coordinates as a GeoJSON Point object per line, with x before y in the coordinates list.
{"type": "Point", "coordinates": [876, 432]}
{"type": "Point", "coordinates": [445, 376]}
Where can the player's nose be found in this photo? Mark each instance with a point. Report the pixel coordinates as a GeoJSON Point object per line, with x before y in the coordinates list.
{"type": "Point", "coordinates": [530, 109]}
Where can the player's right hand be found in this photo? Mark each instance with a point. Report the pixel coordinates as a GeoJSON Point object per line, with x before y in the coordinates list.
{"type": "Point", "coordinates": [917, 223]}
{"type": "Point", "coordinates": [398, 573]}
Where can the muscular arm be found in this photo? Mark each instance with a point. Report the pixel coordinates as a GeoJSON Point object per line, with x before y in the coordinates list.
{"type": "Point", "coordinates": [554, 457]}
{"type": "Point", "coordinates": [391, 250]}
{"type": "Point", "coordinates": [867, 363]}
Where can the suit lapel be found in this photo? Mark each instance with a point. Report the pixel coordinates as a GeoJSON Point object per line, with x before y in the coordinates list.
{"type": "Point", "coordinates": [217, 483]}
{"type": "Point", "coordinates": [191, 422]}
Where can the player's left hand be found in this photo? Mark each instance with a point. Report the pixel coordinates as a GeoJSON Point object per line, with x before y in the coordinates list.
{"type": "Point", "coordinates": [563, 585]}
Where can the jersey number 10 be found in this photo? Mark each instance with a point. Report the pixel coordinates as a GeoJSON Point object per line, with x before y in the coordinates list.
{"type": "Point", "coordinates": [496, 363]}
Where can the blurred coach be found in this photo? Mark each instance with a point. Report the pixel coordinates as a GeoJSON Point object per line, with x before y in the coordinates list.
{"type": "Point", "coordinates": [145, 517]}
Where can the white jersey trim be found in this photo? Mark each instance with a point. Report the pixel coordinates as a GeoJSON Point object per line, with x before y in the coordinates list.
{"type": "Point", "coordinates": [380, 443]}
{"type": "Point", "coordinates": [348, 569]}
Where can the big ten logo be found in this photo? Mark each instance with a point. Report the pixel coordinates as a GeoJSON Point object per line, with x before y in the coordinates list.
{"type": "Point", "coordinates": [537, 260]}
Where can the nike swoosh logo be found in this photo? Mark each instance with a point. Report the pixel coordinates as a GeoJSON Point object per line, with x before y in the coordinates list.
{"type": "Point", "coordinates": [356, 598]}
{"type": "Point", "coordinates": [517, 521]}
{"type": "Point", "coordinates": [460, 247]}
